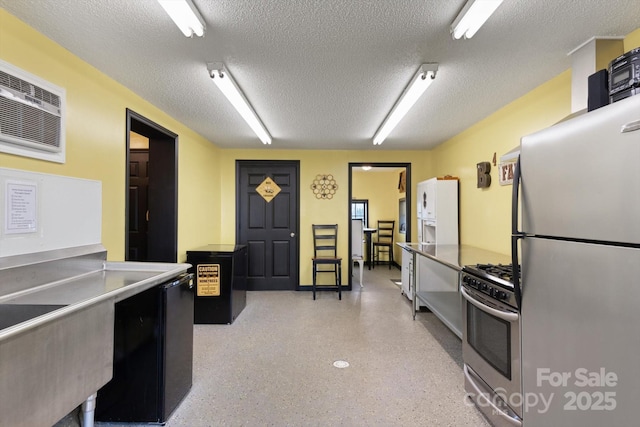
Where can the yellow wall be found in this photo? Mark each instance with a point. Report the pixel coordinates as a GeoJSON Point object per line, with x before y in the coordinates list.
{"type": "Point", "coordinates": [380, 188]}
{"type": "Point", "coordinates": [485, 213]}
{"type": "Point", "coordinates": [485, 219]}
{"type": "Point", "coordinates": [96, 150]}
{"type": "Point", "coordinates": [632, 40]}
{"type": "Point", "coordinates": [95, 138]}
{"type": "Point", "coordinates": [312, 210]}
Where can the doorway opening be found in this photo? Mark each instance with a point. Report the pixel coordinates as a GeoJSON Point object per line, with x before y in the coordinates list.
{"type": "Point", "coordinates": [151, 194]}
{"type": "Point", "coordinates": [379, 205]}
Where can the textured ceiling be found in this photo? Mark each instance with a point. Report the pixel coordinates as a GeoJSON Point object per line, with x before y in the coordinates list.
{"type": "Point", "coordinates": [323, 74]}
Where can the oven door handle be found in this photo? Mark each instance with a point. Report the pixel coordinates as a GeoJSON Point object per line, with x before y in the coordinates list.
{"type": "Point", "coordinates": [504, 315]}
{"type": "Point", "coordinates": [480, 395]}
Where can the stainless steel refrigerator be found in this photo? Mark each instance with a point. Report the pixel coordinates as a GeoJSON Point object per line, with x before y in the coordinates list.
{"type": "Point", "coordinates": [579, 249]}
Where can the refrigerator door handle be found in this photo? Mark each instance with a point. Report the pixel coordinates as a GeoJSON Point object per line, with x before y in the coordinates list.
{"type": "Point", "coordinates": [188, 284]}
{"type": "Point", "coordinates": [515, 273]}
{"type": "Point", "coordinates": [516, 234]}
{"type": "Point", "coordinates": [515, 200]}
{"type": "Point", "coordinates": [185, 280]}
{"type": "Point", "coordinates": [630, 127]}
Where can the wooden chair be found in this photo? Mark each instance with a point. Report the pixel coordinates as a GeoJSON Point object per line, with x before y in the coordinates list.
{"type": "Point", "coordinates": [325, 252]}
{"type": "Point", "coordinates": [384, 242]}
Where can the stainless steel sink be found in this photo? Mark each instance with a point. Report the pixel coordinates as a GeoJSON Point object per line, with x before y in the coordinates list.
{"type": "Point", "coordinates": [48, 369]}
{"type": "Point", "coordinates": [57, 329]}
{"type": "Point", "coordinates": [13, 314]}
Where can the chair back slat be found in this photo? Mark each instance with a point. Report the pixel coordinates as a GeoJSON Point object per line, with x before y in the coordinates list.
{"type": "Point", "coordinates": [325, 255]}
{"type": "Point", "coordinates": [386, 231]}
{"type": "Point", "coordinates": [325, 240]}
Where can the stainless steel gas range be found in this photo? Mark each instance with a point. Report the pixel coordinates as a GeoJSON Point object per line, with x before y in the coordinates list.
{"type": "Point", "coordinates": [491, 342]}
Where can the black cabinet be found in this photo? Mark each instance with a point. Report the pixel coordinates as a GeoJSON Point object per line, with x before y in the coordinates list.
{"type": "Point", "coordinates": [153, 355]}
{"type": "Point", "coordinates": [221, 282]}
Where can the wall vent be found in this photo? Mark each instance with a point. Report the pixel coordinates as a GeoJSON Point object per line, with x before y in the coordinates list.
{"type": "Point", "coordinates": [32, 115]}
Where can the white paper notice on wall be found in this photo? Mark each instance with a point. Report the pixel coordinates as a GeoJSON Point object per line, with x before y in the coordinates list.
{"type": "Point", "coordinates": [21, 207]}
{"type": "Point", "coordinates": [43, 212]}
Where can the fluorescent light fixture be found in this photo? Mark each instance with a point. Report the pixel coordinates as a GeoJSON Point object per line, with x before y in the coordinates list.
{"type": "Point", "coordinates": [185, 15]}
{"type": "Point", "coordinates": [222, 78]}
{"type": "Point", "coordinates": [472, 16]}
{"type": "Point", "coordinates": [419, 83]}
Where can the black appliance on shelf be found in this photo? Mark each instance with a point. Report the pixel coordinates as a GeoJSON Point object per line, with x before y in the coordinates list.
{"type": "Point", "coordinates": [221, 282]}
{"type": "Point", "coordinates": [624, 76]}
{"type": "Point", "coordinates": [153, 354]}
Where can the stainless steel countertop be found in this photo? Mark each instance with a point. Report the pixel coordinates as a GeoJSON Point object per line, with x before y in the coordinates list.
{"type": "Point", "coordinates": [456, 256]}
{"type": "Point", "coordinates": [116, 281]}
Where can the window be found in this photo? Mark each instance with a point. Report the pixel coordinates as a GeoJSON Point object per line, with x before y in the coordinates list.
{"type": "Point", "coordinates": [360, 210]}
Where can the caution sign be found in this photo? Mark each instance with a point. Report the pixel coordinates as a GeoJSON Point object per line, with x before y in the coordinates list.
{"type": "Point", "coordinates": [268, 189]}
{"type": "Point", "coordinates": [208, 280]}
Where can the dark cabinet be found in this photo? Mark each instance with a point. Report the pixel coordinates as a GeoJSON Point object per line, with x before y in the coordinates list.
{"type": "Point", "coordinates": [221, 282]}
{"type": "Point", "coordinates": [153, 355]}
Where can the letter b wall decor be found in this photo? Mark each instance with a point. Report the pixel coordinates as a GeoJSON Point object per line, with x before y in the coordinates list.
{"type": "Point", "coordinates": [484, 179]}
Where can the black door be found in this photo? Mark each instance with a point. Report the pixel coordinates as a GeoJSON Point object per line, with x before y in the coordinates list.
{"type": "Point", "coordinates": [161, 212]}
{"type": "Point", "coordinates": [162, 232]}
{"type": "Point", "coordinates": [269, 228]}
{"type": "Point", "coordinates": [138, 185]}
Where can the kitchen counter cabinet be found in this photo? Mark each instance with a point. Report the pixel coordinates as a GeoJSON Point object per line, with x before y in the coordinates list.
{"type": "Point", "coordinates": [435, 276]}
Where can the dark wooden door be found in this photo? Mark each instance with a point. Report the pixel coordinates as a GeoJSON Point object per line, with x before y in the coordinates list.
{"type": "Point", "coordinates": [161, 211]}
{"type": "Point", "coordinates": [162, 235]}
{"type": "Point", "coordinates": [269, 228]}
{"type": "Point", "coordinates": [138, 204]}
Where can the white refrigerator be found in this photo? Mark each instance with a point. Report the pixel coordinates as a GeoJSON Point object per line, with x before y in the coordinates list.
{"type": "Point", "coordinates": [578, 243]}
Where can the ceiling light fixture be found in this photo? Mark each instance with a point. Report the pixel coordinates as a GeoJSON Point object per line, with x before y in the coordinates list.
{"type": "Point", "coordinates": [222, 78]}
{"type": "Point", "coordinates": [472, 16]}
{"type": "Point", "coordinates": [185, 15]}
{"type": "Point", "coordinates": [419, 83]}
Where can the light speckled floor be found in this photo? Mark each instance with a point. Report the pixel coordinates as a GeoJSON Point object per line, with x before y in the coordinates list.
{"type": "Point", "coordinates": [274, 365]}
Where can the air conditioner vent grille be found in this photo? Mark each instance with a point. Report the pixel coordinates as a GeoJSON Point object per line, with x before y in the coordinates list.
{"type": "Point", "coordinates": [27, 88]}
{"type": "Point", "coordinates": [26, 122]}
{"type": "Point", "coordinates": [32, 115]}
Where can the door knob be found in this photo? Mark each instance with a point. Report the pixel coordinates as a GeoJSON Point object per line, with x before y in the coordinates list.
{"type": "Point", "coordinates": [292, 234]}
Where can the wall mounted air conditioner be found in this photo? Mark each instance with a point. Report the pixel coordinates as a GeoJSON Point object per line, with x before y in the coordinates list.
{"type": "Point", "coordinates": [32, 115]}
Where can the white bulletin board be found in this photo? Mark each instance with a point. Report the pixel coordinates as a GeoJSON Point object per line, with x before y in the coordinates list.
{"type": "Point", "coordinates": [41, 212]}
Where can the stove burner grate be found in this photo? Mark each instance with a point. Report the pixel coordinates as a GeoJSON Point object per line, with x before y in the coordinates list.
{"type": "Point", "coordinates": [502, 271]}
